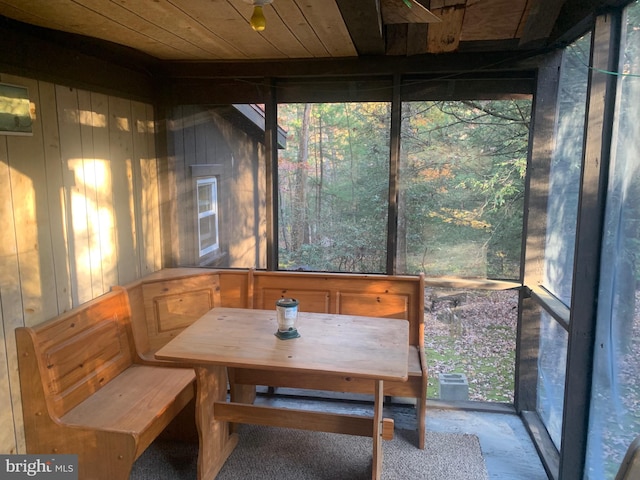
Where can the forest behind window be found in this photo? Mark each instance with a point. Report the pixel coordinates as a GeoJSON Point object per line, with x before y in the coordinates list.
{"type": "Point", "coordinates": [333, 181]}
{"type": "Point", "coordinates": [461, 201]}
{"type": "Point", "coordinates": [460, 190]}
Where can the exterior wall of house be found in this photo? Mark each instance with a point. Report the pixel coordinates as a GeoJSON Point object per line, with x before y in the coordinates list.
{"type": "Point", "coordinates": [203, 142]}
{"type": "Point", "coordinates": [79, 212]}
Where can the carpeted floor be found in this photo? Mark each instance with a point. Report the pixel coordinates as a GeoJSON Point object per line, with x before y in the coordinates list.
{"type": "Point", "coordinates": [272, 453]}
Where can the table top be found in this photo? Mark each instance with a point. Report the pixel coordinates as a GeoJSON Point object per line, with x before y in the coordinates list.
{"type": "Point", "coordinates": [349, 345]}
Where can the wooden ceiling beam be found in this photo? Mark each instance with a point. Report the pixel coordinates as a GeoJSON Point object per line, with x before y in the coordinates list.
{"type": "Point", "coordinates": [417, 35]}
{"type": "Point", "coordinates": [444, 37]}
{"type": "Point", "coordinates": [396, 38]}
{"type": "Point", "coordinates": [373, 65]}
{"type": "Point", "coordinates": [364, 23]}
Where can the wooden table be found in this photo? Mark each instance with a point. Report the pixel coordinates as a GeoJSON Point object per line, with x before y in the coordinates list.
{"type": "Point", "coordinates": [332, 345]}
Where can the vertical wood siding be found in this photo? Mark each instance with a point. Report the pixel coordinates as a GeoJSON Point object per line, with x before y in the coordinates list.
{"type": "Point", "coordinates": [78, 214]}
{"type": "Point", "coordinates": [200, 136]}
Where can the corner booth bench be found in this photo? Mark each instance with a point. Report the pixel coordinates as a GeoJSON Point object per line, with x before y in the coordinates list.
{"type": "Point", "coordinates": [91, 385]}
{"type": "Point", "coordinates": [86, 391]}
{"type": "Point", "coordinates": [167, 301]}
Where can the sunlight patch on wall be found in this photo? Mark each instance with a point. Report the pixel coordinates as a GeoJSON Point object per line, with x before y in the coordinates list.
{"type": "Point", "coordinates": [85, 117]}
{"type": "Point", "coordinates": [105, 216]}
{"type": "Point", "coordinates": [150, 235]}
{"type": "Point", "coordinates": [122, 124]}
{"type": "Point", "coordinates": [145, 126]}
{"type": "Point", "coordinates": [132, 206]}
{"type": "Point", "coordinates": [92, 239]}
{"type": "Point", "coordinates": [27, 242]}
{"type": "Point", "coordinates": [79, 246]}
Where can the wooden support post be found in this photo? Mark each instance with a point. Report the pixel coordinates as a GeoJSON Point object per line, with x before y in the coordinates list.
{"type": "Point", "coordinates": [216, 442]}
{"type": "Point", "coordinates": [377, 431]}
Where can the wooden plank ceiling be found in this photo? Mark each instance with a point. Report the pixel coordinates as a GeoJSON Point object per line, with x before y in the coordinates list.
{"type": "Point", "coordinates": [214, 30]}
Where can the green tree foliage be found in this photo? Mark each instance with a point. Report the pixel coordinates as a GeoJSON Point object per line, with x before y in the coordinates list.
{"type": "Point", "coordinates": [461, 178]}
{"type": "Point", "coordinates": [347, 175]}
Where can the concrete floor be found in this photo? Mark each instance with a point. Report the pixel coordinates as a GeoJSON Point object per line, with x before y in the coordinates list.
{"type": "Point", "coordinates": [508, 451]}
{"type": "Point", "coordinates": [506, 446]}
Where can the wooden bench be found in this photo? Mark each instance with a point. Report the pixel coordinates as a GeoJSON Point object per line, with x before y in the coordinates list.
{"type": "Point", "coordinates": [85, 390]}
{"type": "Point", "coordinates": [166, 302]}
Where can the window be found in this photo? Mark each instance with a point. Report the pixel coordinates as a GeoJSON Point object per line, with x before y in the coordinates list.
{"type": "Point", "coordinates": [460, 209]}
{"type": "Point", "coordinates": [333, 181]}
{"type": "Point", "coordinates": [460, 205]}
{"type": "Point", "coordinates": [566, 161]}
{"type": "Point", "coordinates": [560, 238]}
{"type": "Point", "coordinates": [208, 240]}
{"type": "Point", "coordinates": [552, 364]}
{"type": "Point", "coordinates": [614, 414]}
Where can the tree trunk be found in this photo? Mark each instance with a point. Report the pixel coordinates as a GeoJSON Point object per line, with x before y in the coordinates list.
{"type": "Point", "coordinates": [401, 238]}
{"type": "Point", "coordinates": [319, 175]}
{"type": "Point", "coordinates": [299, 223]}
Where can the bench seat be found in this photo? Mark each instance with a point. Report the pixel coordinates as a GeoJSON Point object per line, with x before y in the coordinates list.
{"type": "Point", "coordinates": [141, 400]}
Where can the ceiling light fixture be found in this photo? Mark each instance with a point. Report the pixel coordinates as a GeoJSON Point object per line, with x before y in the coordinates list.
{"type": "Point", "coordinates": [258, 22]}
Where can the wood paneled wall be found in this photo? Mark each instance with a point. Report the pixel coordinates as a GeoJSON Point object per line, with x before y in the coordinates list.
{"type": "Point", "coordinates": [79, 213]}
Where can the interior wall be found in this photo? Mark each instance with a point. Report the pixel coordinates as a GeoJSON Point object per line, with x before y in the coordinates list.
{"type": "Point", "coordinates": [79, 213]}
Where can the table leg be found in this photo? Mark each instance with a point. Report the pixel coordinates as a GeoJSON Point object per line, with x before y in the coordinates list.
{"type": "Point", "coordinates": [215, 441]}
{"type": "Point", "coordinates": [377, 430]}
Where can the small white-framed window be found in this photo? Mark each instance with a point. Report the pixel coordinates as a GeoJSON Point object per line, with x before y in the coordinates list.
{"type": "Point", "coordinates": [207, 196]}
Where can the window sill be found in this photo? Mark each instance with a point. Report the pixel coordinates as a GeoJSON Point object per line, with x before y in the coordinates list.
{"type": "Point", "coordinates": [213, 259]}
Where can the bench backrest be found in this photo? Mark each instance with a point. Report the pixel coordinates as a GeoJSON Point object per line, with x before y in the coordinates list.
{"type": "Point", "coordinates": [166, 303]}
{"type": "Point", "coordinates": [78, 352]}
{"type": "Point", "coordinates": [390, 296]}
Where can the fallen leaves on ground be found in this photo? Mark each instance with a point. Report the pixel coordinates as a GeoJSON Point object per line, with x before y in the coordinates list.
{"type": "Point", "coordinates": [473, 333]}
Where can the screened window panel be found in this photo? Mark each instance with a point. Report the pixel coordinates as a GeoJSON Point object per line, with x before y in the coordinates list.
{"type": "Point", "coordinates": [566, 162]}
{"type": "Point", "coordinates": [615, 401]}
{"type": "Point", "coordinates": [472, 332]}
{"type": "Point", "coordinates": [460, 205]}
{"type": "Point", "coordinates": [333, 187]}
{"type": "Point", "coordinates": [225, 143]}
{"type": "Point", "coordinates": [552, 364]}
